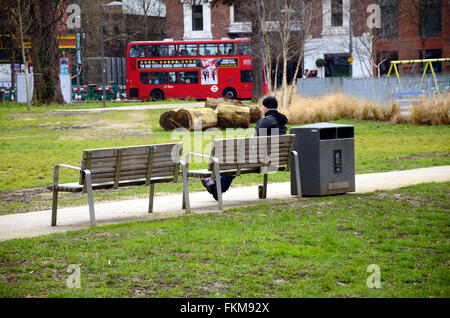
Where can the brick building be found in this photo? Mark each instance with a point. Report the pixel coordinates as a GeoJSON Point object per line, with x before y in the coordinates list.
{"type": "Point", "coordinates": [404, 24]}
{"type": "Point", "coordinates": [201, 22]}
{"type": "Point", "coordinates": [396, 38]}
{"type": "Point", "coordinates": [402, 39]}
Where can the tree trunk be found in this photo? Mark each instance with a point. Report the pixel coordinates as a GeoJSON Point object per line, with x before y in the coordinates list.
{"type": "Point", "coordinates": [12, 62]}
{"type": "Point", "coordinates": [284, 81]}
{"type": "Point", "coordinates": [233, 116]}
{"type": "Point", "coordinates": [257, 76]}
{"type": "Point", "coordinates": [45, 56]}
{"type": "Point", "coordinates": [25, 64]}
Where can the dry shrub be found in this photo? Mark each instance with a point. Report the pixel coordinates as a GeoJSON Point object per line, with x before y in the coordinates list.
{"type": "Point", "coordinates": [432, 111]}
{"type": "Point", "coordinates": [335, 106]}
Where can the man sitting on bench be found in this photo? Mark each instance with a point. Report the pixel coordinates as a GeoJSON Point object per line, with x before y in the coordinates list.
{"type": "Point", "coordinates": [273, 123]}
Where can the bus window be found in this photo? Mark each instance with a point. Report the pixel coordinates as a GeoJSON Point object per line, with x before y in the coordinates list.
{"type": "Point", "coordinates": [208, 49]}
{"type": "Point", "coordinates": [138, 51]}
{"type": "Point", "coordinates": [245, 48]}
{"type": "Point", "coordinates": [173, 78]}
{"type": "Point", "coordinates": [173, 50]}
{"type": "Point", "coordinates": [158, 78]}
{"type": "Point", "coordinates": [228, 49]}
{"type": "Point", "coordinates": [188, 49]}
{"type": "Point", "coordinates": [144, 77]}
{"type": "Point", "coordinates": [157, 50]}
{"type": "Point", "coordinates": [188, 77]}
{"type": "Point", "coordinates": [246, 76]}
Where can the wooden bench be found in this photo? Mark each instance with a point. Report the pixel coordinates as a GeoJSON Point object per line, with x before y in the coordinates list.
{"type": "Point", "coordinates": [233, 157]}
{"type": "Point", "coordinates": [111, 168]}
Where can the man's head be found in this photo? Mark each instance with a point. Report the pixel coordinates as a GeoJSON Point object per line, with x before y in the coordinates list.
{"type": "Point", "coordinates": [270, 102]}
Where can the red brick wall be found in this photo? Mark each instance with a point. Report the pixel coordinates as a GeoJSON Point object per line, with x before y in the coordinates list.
{"type": "Point", "coordinates": [220, 21]}
{"type": "Point", "coordinates": [174, 20]}
{"type": "Point", "coordinates": [408, 43]}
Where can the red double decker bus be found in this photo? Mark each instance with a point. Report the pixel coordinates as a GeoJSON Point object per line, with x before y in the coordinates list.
{"type": "Point", "coordinates": [190, 69]}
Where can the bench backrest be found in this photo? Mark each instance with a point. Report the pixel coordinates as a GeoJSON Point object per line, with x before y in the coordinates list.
{"type": "Point", "coordinates": [253, 152]}
{"type": "Point", "coordinates": [132, 163]}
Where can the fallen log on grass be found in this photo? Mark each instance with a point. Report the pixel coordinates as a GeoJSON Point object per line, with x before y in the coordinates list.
{"type": "Point", "coordinates": [255, 111]}
{"type": "Point", "coordinates": [229, 116]}
{"type": "Point", "coordinates": [192, 118]}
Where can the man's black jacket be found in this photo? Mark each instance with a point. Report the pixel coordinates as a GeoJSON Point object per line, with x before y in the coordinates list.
{"type": "Point", "coordinates": [273, 123]}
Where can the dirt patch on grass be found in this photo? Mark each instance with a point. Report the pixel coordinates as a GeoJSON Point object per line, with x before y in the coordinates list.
{"type": "Point", "coordinates": [25, 195]}
{"type": "Point", "coordinates": [54, 127]}
{"type": "Point", "coordinates": [400, 197]}
{"type": "Point", "coordinates": [418, 157]}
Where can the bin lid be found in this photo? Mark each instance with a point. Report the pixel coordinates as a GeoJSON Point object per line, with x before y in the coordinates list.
{"type": "Point", "coordinates": [323, 125]}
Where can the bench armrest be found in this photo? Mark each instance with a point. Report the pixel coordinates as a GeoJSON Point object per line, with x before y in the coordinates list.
{"type": "Point", "coordinates": [189, 154]}
{"type": "Point", "coordinates": [86, 172]}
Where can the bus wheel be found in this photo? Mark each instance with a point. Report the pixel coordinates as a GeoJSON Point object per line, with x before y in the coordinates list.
{"type": "Point", "coordinates": [229, 93]}
{"type": "Point", "coordinates": [157, 95]}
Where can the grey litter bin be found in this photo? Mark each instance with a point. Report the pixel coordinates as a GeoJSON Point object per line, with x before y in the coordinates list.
{"type": "Point", "coordinates": [326, 157]}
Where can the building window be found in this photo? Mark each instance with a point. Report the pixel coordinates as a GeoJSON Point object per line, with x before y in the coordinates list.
{"type": "Point", "coordinates": [239, 12]}
{"type": "Point", "coordinates": [389, 19]}
{"type": "Point", "coordinates": [384, 60]}
{"type": "Point", "coordinates": [430, 17]}
{"type": "Point", "coordinates": [197, 18]}
{"type": "Point", "coordinates": [337, 65]}
{"type": "Point", "coordinates": [431, 54]}
{"type": "Point", "coordinates": [337, 16]}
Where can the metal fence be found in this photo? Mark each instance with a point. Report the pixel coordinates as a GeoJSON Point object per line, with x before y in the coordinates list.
{"type": "Point", "coordinates": [380, 90]}
{"type": "Point", "coordinates": [115, 71]}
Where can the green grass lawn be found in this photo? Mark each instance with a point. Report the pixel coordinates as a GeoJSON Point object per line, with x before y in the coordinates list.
{"type": "Point", "coordinates": [317, 247]}
{"type": "Point", "coordinates": [31, 143]}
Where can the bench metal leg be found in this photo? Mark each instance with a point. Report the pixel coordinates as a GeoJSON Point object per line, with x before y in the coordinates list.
{"type": "Point", "coordinates": [54, 207]}
{"type": "Point", "coordinates": [262, 189]}
{"type": "Point", "coordinates": [90, 198]}
{"type": "Point", "coordinates": [150, 201]}
{"type": "Point", "coordinates": [297, 174]}
{"type": "Point", "coordinates": [218, 184]}
{"type": "Point", "coordinates": [186, 204]}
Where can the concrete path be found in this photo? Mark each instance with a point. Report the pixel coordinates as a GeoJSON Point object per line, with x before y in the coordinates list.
{"type": "Point", "coordinates": [136, 107]}
{"type": "Point", "coordinates": [38, 223]}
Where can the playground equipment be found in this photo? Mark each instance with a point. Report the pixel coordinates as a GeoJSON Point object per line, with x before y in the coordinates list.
{"type": "Point", "coordinates": [399, 92]}
{"type": "Point", "coordinates": [428, 64]}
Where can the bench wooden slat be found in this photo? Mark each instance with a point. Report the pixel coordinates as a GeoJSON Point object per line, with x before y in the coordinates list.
{"type": "Point", "coordinates": [129, 151]}
{"type": "Point", "coordinates": [117, 170]}
{"type": "Point", "coordinates": [257, 151]}
{"type": "Point", "coordinates": [131, 161]}
{"type": "Point", "coordinates": [76, 187]}
{"type": "Point", "coordinates": [130, 164]}
{"type": "Point", "coordinates": [167, 171]}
